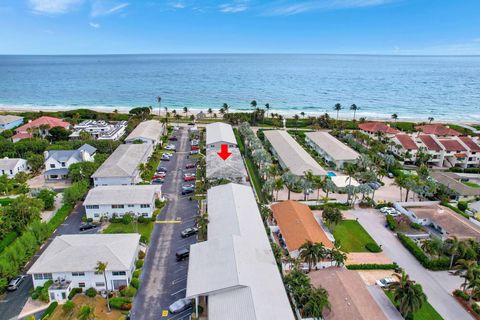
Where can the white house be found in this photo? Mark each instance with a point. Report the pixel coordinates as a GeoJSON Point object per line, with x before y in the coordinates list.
{"type": "Point", "coordinates": [108, 201]}
{"type": "Point", "coordinates": [11, 167]}
{"type": "Point", "coordinates": [219, 133]}
{"type": "Point", "coordinates": [57, 162]}
{"type": "Point", "coordinates": [122, 167]}
{"type": "Point", "coordinates": [150, 131]}
{"type": "Point", "coordinates": [100, 129]}
{"type": "Point", "coordinates": [9, 122]}
{"type": "Point", "coordinates": [71, 260]}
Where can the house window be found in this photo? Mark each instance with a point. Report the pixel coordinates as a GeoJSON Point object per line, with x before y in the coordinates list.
{"type": "Point", "coordinates": [119, 273]}
{"type": "Point", "coordinates": [63, 164]}
{"type": "Point", "coordinates": [78, 274]}
{"type": "Point", "coordinates": [96, 215]}
{"type": "Point", "coordinates": [64, 296]}
{"type": "Point", "coordinates": [144, 206]}
{"type": "Point", "coordinates": [93, 206]}
{"type": "Point", "coordinates": [52, 296]}
{"type": "Point", "coordinates": [81, 284]}
{"type": "Point", "coordinates": [131, 205]}
{"type": "Point", "coordinates": [117, 206]}
{"type": "Point", "coordinates": [98, 273]}
{"type": "Point", "coordinates": [99, 284]}
{"type": "Point", "coordinates": [42, 276]}
{"type": "Point", "coordinates": [52, 165]}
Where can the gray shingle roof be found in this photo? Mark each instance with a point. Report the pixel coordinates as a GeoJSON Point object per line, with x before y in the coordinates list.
{"type": "Point", "coordinates": [9, 163]}
{"type": "Point", "coordinates": [65, 155]}
{"type": "Point", "coordinates": [141, 194]}
{"type": "Point", "coordinates": [124, 161]}
{"type": "Point", "coordinates": [231, 169]}
{"type": "Point", "coordinates": [151, 129]}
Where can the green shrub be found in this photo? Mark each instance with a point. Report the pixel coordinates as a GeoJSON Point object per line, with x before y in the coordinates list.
{"type": "Point", "coordinates": [91, 292]}
{"type": "Point", "coordinates": [138, 264]}
{"type": "Point", "coordinates": [74, 292]}
{"type": "Point", "coordinates": [416, 226]}
{"type": "Point", "coordinates": [460, 212]}
{"type": "Point", "coordinates": [50, 310]}
{"type": "Point", "coordinates": [461, 294]}
{"type": "Point", "coordinates": [462, 205]}
{"type": "Point", "coordinates": [373, 247]}
{"type": "Point", "coordinates": [437, 264]}
{"type": "Point", "coordinates": [476, 308]}
{"type": "Point", "coordinates": [136, 274]}
{"type": "Point", "coordinates": [141, 255]}
{"type": "Point", "coordinates": [7, 240]}
{"type": "Point", "coordinates": [120, 303]}
{"type": "Point", "coordinates": [135, 282]}
{"type": "Point", "coordinates": [372, 266]}
{"type": "Point", "coordinates": [48, 198]}
{"type": "Point", "coordinates": [68, 307]}
{"type": "Point", "coordinates": [129, 292]}
{"type": "Point", "coordinates": [391, 222]}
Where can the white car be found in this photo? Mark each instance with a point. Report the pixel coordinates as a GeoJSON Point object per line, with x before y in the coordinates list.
{"type": "Point", "coordinates": [170, 147]}
{"type": "Point", "coordinates": [180, 305]}
{"type": "Point", "coordinates": [390, 211]}
{"type": "Point", "coordinates": [385, 282]}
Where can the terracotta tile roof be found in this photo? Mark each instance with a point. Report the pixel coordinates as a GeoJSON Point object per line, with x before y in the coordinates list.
{"type": "Point", "coordinates": [298, 225]}
{"type": "Point", "coordinates": [21, 135]}
{"type": "Point", "coordinates": [50, 121]}
{"type": "Point", "coordinates": [373, 127]}
{"type": "Point", "coordinates": [406, 141]}
{"type": "Point", "coordinates": [430, 143]}
{"type": "Point", "coordinates": [348, 295]}
{"type": "Point", "coordinates": [452, 145]}
{"type": "Point", "coordinates": [460, 155]}
{"type": "Point", "coordinates": [438, 129]}
{"type": "Point", "coordinates": [472, 145]}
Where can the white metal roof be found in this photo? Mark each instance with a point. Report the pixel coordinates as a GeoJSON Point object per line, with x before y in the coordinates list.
{"type": "Point", "coordinates": [132, 194]}
{"type": "Point", "coordinates": [81, 252]}
{"type": "Point", "coordinates": [124, 160]}
{"type": "Point", "coordinates": [336, 149]}
{"type": "Point", "coordinates": [343, 181]}
{"type": "Point", "coordinates": [220, 132]}
{"type": "Point", "coordinates": [231, 169]}
{"type": "Point", "coordinates": [236, 268]}
{"type": "Point", "coordinates": [292, 154]}
{"type": "Point", "coordinates": [151, 129]}
{"type": "Point", "coordinates": [6, 119]}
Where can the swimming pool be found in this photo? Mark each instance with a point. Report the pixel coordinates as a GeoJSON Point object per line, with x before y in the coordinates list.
{"type": "Point", "coordinates": [331, 174]}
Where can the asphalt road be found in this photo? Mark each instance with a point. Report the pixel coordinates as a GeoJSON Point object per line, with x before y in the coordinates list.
{"type": "Point", "coordinates": [13, 303]}
{"type": "Point", "coordinates": [163, 279]}
{"type": "Point", "coordinates": [438, 285]}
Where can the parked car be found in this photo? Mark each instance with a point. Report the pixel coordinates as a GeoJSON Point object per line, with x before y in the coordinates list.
{"type": "Point", "coordinates": [158, 176]}
{"type": "Point", "coordinates": [180, 305]}
{"type": "Point", "coordinates": [194, 142]}
{"type": "Point", "coordinates": [15, 283]}
{"type": "Point", "coordinates": [390, 175]}
{"type": "Point", "coordinates": [374, 185]}
{"type": "Point", "coordinates": [87, 226]}
{"type": "Point", "coordinates": [390, 211]}
{"type": "Point", "coordinates": [158, 181]}
{"type": "Point", "coordinates": [165, 157]}
{"type": "Point", "coordinates": [186, 186]}
{"type": "Point", "coordinates": [171, 147]}
{"type": "Point", "coordinates": [173, 138]}
{"type": "Point", "coordinates": [194, 148]}
{"type": "Point", "coordinates": [189, 177]}
{"type": "Point", "coordinates": [385, 282]}
{"type": "Point", "coordinates": [189, 232]}
{"type": "Point", "coordinates": [182, 254]}
{"type": "Point", "coordinates": [188, 191]}
{"type": "Point", "coordinates": [162, 169]}
{"type": "Point", "coordinates": [190, 165]}
{"type": "Point", "coordinates": [191, 124]}
{"type": "Point", "coordinates": [194, 151]}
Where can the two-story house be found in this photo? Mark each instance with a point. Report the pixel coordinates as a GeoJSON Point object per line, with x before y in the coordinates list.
{"type": "Point", "coordinates": [10, 167]}
{"type": "Point", "coordinates": [40, 127]}
{"type": "Point", "coordinates": [57, 162]}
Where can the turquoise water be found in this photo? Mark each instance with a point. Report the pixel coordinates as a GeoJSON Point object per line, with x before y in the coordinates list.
{"type": "Point", "coordinates": [331, 174]}
{"type": "Point", "coordinates": [446, 88]}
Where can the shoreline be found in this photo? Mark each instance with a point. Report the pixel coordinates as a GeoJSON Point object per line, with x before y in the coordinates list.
{"type": "Point", "coordinates": [195, 111]}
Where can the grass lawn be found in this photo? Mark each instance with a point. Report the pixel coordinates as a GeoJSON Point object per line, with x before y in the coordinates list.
{"type": "Point", "coordinates": [145, 229]}
{"type": "Point", "coordinates": [471, 184]}
{"type": "Point", "coordinates": [426, 312]}
{"type": "Point", "coordinates": [352, 236]}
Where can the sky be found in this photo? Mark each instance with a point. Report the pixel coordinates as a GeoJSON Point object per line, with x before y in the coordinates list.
{"type": "Point", "coordinates": [425, 27]}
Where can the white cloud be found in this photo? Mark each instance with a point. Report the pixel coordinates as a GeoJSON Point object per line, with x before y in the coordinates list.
{"type": "Point", "coordinates": [178, 5]}
{"type": "Point", "coordinates": [234, 7]}
{"type": "Point", "coordinates": [287, 8]}
{"type": "Point", "coordinates": [94, 25]}
{"type": "Point", "coordinates": [54, 6]}
{"type": "Point", "coordinates": [100, 8]}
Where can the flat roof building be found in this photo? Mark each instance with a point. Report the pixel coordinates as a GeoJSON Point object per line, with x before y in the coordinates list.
{"type": "Point", "coordinates": [291, 154]}
{"type": "Point", "coordinates": [332, 149]}
{"type": "Point", "coordinates": [219, 133]}
{"type": "Point", "coordinates": [235, 268]}
{"type": "Point", "coordinates": [150, 131]}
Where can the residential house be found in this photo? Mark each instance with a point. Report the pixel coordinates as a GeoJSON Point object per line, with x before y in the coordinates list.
{"type": "Point", "coordinates": [219, 133]}
{"type": "Point", "coordinates": [9, 122]}
{"type": "Point", "coordinates": [109, 201]}
{"type": "Point", "coordinates": [374, 129]}
{"type": "Point", "coordinates": [438, 130]}
{"type": "Point", "coordinates": [330, 148]}
{"type": "Point", "coordinates": [430, 145]}
{"type": "Point", "coordinates": [291, 155]}
{"type": "Point", "coordinates": [40, 126]}
{"type": "Point", "coordinates": [405, 147]}
{"type": "Point", "coordinates": [100, 129]}
{"type": "Point", "coordinates": [57, 162]}
{"type": "Point", "coordinates": [149, 132]}
{"type": "Point", "coordinates": [70, 261]}
{"type": "Point", "coordinates": [11, 166]}
{"type": "Point", "coordinates": [454, 182]}
{"type": "Point", "coordinates": [122, 166]}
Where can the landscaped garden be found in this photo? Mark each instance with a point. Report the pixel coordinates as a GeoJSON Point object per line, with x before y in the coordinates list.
{"type": "Point", "coordinates": [353, 237]}
{"type": "Point", "coordinates": [426, 312]}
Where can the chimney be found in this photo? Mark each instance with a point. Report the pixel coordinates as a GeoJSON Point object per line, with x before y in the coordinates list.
{"type": "Point", "coordinates": [45, 154]}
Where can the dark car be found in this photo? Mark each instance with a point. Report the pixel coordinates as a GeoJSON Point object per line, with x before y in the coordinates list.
{"type": "Point", "coordinates": [161, 169]}
{"type": "Point", "coordinates": [182, 254]}
{"type": "Point", "coordinates": [158, 181]}
{"type": "Point", "coordinates": [15, 283]}
{"type": "Point", "coordinates": [87, 226]}
{"type": "Point", "coordinates": [189, 232]}
{"type": "Point", "coordinates": [188, 191]}
{"type": "Point", "coordinates": [194, 151]}
{"type": "Point", "coordinates": [190, 165]}
{"type": "Point", "coordinates": [173, 138]}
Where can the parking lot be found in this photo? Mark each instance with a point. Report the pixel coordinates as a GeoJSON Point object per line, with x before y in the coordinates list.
{"type": "Point", "coordinates": [164, 279]}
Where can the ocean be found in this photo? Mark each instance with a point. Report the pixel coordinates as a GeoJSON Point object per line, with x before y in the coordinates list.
{"type": "Point", "coordinates": [414, 87]}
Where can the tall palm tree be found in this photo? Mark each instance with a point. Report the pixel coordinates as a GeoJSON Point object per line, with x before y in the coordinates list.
{"type": "Point", "coordinates": [253, 103]}
{"type": "Point", "coordinates": [267, 107]}
{"type": "Point", "coordinates": [302, 114]}
{"type": "Point", "coordinates": [290, 181]}
{"type": "Point", "coordinates": [395, 117]}
{"type": "Point", "coordinates": [350, 171]}
{"type": "Point", "coordinates": [159, 100]}
{"type": "Point", "coordinates": [408, 295]}
{"type": "Point", "coordinates": [468, 270]}
{"type": "Point", "coordinates": [185, 110]}
{"type": "Point", "coordinates": [354, 108]}
{"type": "Point", "coordinates": [430, 119]}
{"type": "Point", "coordinates": [316, 303]}
{"type": "Point", "coordinates": [202, 224]}
{"type": "Point", "coordinates": [210, 112]}
{"type": "Point", "coordinates": [225, 107]}
{"type": "Point", "coordinates": [337, 107]}
{"type": "Point", "coordinates": [278, 185]}
{"type": "Point", "coordinates": [102, 268]}
{"type": "Point", "coordinates": [453, 249]}
{"type": "Point", "coordinates": [338, 257]}
{"type": "Point", "coordinates": [310, 253]}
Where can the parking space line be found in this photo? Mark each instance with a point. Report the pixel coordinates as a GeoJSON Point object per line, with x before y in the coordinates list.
{"type": "Point", "coordinates": [177, 292]}
{"type": "Point", "coordinates": [168, 221]}
{"type": "Point", "coordinates": [179, 280]}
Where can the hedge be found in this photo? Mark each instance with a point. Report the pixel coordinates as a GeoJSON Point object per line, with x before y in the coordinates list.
{"type": "Point", "coordinates": [373, 247]}
{"type": "Point", "coordinates": [59, 217]}
{"type": "Point", "coordinates": [464, 170]}
{"type": "Point", "coordinates": [50, 310]}
{"type": "Point", "coordinates": [341, 206]}
{"type": "Point", "coordinates": [138, 264]}
{"type": "Point", "coordinates": [460, 212]}
{"type": "Point", "coordinates": [372, 266]}
{"type": "Point", "coordinates": [91, 292]}
{"type": "Point", "coordinates": [461, 294]}
{"type": "Point", "coordinates": [74, 292]}
{"type": "Point", "coordinates": [436, 264]}
{"type": "Point", "coordinates": [135, 282]}
{"type": "Point", "coordinates": [120, 303]}
{"type": "Point", "coordinates": [391, 222]}
{"type": "Point", "coordinates": [7, 240]}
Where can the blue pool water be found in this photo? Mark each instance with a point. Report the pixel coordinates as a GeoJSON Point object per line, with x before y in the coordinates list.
{"type": "Point", "coordinates": [331, 174]}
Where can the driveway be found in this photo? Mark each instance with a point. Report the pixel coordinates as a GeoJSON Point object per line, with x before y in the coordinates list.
{"type": "Point", "coordinates": [438, 285]}
{"type": "Point", "coordinates": [13, 303]}
{"type": "Point", "coordinates": [163, 279]}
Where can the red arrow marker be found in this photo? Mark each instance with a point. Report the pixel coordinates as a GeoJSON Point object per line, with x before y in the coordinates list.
{"type": "Point", "coordinates": [224, 154]}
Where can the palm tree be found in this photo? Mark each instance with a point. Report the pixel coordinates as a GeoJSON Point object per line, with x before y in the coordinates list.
{"type": "Point", "coordinates": [253, 103]}
{"type": "Point", "coordinates": [354, 108]}
{"type": "Point", "coordinates": [311, 253]}
{"type": "Point", "coordinates": [338, 257]}
{"type": "Point", "coordinates": [202, 224]}
{"type": "Point", "coordinates": [395, 117]}
{"type": "Point", "coordinates": [453, 249]}
{"type": "Point", "coordinates": [142, 168]}
{"type": "Point", "coordinates": [337, 107]}
{"type": "Point", "coordinates": [225, 107]}
{"type": "Point", "coordinates": [210, 112]}
{"type": "Point", "coordinates": [408, 295]}
{"type": "Point", "coordinates": [290, 181]}
{"type": "Point", "coordinates": [278, 185]}
{"type": "Point", "coordinates": [85, 312]}
{"type": "Point", "coordinates": [185, 110]}
{"type": "Point", "coordinates": [329, 186]}
{"type": "Point", "coordinates": [267, 106]}
{"type": "Point", "coordinates": [159, 100]}
{"type": "Point", "coordinates": [302, 114]}
{"type": "Point", "coordinates": [430, 119]}
{"type": "Point", "coordinates": [102, 268]}
{"type": "Point", "coordinates": [316, 303]}
{"type": "Point", "coordinates": [350, 171]}
{"type": "Point", "coordinates": [468, 270]}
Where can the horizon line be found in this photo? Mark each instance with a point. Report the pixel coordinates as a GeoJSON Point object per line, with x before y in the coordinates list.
{"type": "Point", "coordinates": [243, 53]}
